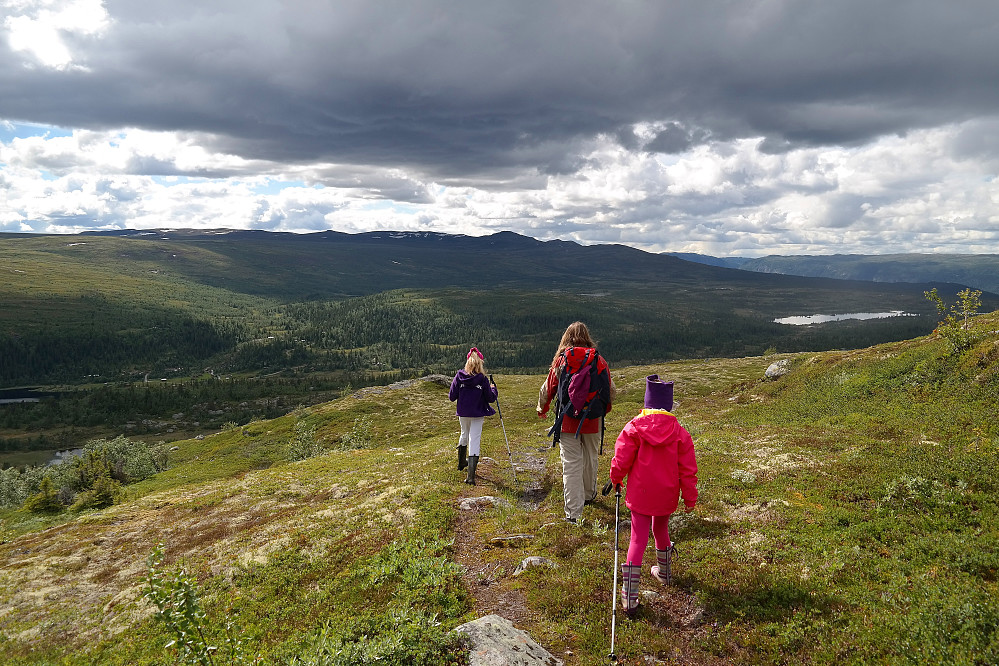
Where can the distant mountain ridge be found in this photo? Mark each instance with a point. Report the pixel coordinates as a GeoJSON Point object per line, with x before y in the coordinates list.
{"type": "Point", "coordinates": [727, 262]}
{"type": "Point", "coordinates": [120, 303]}
{"type": "Point", "coordinates": [333, 264]}
{"type": "Point", "coordinates": [378, 260]}
{"type": "Point", "coordinates": [979, 271]}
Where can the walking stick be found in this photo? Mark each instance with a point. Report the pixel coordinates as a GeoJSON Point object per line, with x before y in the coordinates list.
{"type": "Point", "coordinates": [617, 526]}
{"type": "Point", "coordinates": [508, 452]}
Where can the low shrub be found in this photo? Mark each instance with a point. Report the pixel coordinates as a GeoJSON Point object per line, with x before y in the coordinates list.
{"type": "Point", "coordinates": [91, 480]}
{"type": "Point", "coordinates": [46, 500]}
{"type": "Point", "coordinates": [400, 638]}
{"type": "Point", "coordinates": [304, 444]}
{"type": "Point", "coordinates": [359, 436]}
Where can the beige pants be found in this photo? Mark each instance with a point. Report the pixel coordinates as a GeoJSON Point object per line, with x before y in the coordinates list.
{"type": "Point", "coordinates": [579, 470]}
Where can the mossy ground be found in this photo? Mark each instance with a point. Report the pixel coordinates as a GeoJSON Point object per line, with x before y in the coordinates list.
{"type": "Point", "coordinates": [848, 514]}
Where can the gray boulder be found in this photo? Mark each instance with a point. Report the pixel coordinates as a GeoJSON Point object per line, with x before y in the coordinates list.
{"type": "Point", "coordinates": [496, 642]}
{"type": "Point", "coordinates": [778, 369]}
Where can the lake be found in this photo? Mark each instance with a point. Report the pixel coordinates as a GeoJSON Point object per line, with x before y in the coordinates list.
{"type": "Point", "coordinates": [804, 320]}
{"type": "Point", "coordinates": [36, 458]}
{"type": "Point", "coordinates": [12, 396]}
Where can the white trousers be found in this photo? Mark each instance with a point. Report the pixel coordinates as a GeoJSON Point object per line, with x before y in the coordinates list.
{"type": "Point", "coordinates": [471, 433]}
{"type": "Point", "coordinates": [579, 470]}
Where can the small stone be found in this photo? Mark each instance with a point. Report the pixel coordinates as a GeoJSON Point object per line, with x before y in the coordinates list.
{"type": "Point", "coordinates": [481, 502]}
{"type": "Point", "coordinates": [693, 619]}
{"type": "Point", "coordinates": [534, 561]}
{"type": "Point", "coordinates": [510, 541]}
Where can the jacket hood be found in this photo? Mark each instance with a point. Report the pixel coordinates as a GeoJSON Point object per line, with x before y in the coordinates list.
{"type": "Point", "coordinates": [462, 375]}
{"type": "Point", "coordinates": [657, 427]}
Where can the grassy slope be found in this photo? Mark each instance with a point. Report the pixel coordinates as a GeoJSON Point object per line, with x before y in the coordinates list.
{"type": "Point", "coordinates": [61, 270]}
{"type": "Point", "coordinates": [847, 515]}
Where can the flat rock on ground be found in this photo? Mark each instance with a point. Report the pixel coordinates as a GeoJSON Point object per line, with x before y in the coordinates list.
{"type": "Point", "coordinates": [496, 642]}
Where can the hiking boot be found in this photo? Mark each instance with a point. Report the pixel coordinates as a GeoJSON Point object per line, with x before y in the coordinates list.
{"type": "Point", "coordinates": [664, 559]}
{"type": "Point", "coordinates": [630, 577]}
{"type": "Point", "coordinates": [473, 462]}
{"type": "Point", "coordinates": [462, 460]}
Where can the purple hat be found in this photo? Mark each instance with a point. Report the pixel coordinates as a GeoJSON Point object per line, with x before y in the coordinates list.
{"type": "Point", "coordinates": [658, 394]}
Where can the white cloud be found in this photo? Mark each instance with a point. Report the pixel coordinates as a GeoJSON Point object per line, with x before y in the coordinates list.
{"type": "Point", "coordinates": [918, 192]}
{"type": "Point", "coordinates": [43, 28]}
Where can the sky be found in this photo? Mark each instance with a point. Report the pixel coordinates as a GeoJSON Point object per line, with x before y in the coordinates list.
{"type": "Point", "coordinates": [724, 127]}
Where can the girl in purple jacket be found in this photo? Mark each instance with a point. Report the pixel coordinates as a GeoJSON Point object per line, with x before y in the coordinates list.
{"type": "Point", "coordinates": [472, 391]}
{"type": "Point", "coordinates": [656, 453]}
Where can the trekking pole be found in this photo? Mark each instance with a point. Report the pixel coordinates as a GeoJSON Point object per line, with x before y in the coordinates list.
{"type": "Point", "coordinates": [617, 526]}
{"type": "Point", "coordinates": [601, 435]}
{"type": "Point", "coordinates": [508, 452]}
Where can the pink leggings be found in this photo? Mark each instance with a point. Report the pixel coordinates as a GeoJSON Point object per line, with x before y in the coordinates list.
{"type": "Point", "coordinates": [640, 535]}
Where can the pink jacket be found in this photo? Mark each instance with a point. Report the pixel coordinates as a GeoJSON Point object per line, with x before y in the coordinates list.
{"type": "Point", "coordinates": [656, 453]}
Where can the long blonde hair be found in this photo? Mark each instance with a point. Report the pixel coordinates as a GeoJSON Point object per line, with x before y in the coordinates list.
{"type": "Point", "coordinates": [475, 365]}
{"type": "Point", "coordinates": [576, 335]}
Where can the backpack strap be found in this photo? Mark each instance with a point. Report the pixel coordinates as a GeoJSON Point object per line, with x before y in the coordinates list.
{"type": "Point", "coordinates": [562, 408]}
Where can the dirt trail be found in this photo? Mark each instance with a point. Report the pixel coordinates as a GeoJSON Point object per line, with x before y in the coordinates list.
{"type": "Point", "coordinates": [488, 570]}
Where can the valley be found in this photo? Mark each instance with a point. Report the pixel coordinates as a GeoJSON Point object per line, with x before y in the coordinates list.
{"type": "Point", "coordinates": [131, 329]}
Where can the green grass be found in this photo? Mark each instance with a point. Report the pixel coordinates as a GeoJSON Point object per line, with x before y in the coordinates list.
{"type": "Point", "coordinates": [848, 515]}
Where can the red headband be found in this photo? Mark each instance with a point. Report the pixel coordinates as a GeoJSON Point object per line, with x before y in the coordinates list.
{"type": "Point", "coordinates": [477, 352]}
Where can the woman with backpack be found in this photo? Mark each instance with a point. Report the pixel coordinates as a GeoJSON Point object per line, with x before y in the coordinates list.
{"type": "Point", "coordinates": [471, 390]}
{"type": "Point", "coordinates": [578, 417]}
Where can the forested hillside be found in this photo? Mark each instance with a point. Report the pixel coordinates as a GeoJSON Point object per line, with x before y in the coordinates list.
{"type": "Point", "coordinates": [174, 333]}
{"type": "Point", "coordinates": [117, 307]}
{"type": "Point", "coordinates": [979, 271]}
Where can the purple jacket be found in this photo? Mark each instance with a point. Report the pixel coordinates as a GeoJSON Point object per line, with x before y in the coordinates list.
{"type": "Point", "coordinates": [473, 394]}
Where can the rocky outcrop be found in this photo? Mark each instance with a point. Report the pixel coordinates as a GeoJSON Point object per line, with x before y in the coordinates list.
{"type": "Point", "coordinates": [778, 369]}
{"type": "Point", "coordinates": [496, 642]}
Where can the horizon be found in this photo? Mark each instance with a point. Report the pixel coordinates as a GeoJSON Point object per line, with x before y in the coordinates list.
{"type": "Point", "coordinates": [223, 231]}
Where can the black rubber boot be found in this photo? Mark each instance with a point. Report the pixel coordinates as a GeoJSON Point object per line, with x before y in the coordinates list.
{"type": "Point", "coordinates": [473, 462]}
{"type": "Point", "coordinates": [462, 461]}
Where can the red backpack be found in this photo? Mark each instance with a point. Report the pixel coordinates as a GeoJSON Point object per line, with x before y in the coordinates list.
{"type": "Point", "coordinates": [583, 389]}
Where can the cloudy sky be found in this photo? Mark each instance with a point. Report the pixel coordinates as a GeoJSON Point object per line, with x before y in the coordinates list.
{"type": "Point", "coordinates": [743, 128]}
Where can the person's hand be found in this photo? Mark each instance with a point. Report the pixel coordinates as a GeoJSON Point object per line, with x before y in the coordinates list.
{"type": "Point", "coordinates": [688, 509]}
{"type": "Point", "coordinates": [542, 413]}
{"type": "Point", "coordinates": [607, 487]}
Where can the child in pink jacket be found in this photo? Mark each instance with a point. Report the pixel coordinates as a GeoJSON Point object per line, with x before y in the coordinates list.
{"type": "Point", "coordinates": [656, 453]}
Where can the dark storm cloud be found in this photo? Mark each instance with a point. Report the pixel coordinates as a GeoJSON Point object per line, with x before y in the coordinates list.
{"type": "Point", "coordinates": [456, 89]}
